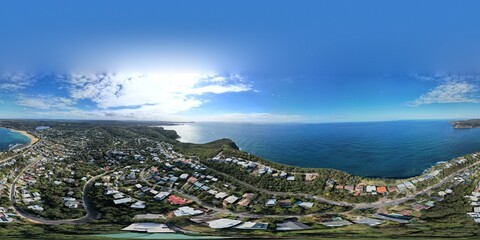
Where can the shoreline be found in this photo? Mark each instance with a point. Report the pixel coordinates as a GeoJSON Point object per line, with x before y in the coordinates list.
{"type": "Point", "coordinates": [367, 178]}
{"type": "Point", "coordinates": [416, 170]}
{"type": "Point", "coordinates": [32, 138]}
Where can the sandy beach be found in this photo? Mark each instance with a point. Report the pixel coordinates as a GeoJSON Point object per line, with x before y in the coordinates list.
{"type": "Point", "coordinates": [32, 138]}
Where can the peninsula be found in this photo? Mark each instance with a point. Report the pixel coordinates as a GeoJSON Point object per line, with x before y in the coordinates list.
{"type": "Point", "coordinates": [472, 123]}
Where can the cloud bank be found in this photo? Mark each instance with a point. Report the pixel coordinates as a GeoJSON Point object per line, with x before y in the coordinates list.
{"type": "Point", "coordinates": [452, 88]}
{"type": "Point", "coordinates": [157, 96]}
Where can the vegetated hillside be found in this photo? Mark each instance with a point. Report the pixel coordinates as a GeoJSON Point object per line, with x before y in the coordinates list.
{"type": "Point", "coordinates": [158, 133]}
{"type": "Point", "coordinates": [472, 123]}
{"type": "Point", "coordinates": [207, 150]}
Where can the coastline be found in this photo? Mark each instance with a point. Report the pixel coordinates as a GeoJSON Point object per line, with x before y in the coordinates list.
{"type": "Point", "coordinates": [365, 179]}
{"type": "Point", "coordinates": [362, 153]}
{"type": "Point", "coordinates": [32, 138]}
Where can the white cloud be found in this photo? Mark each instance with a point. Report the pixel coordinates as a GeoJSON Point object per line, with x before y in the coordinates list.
{"type": "Point", "coordinates": [16, 81]}
{"type": "Point", "coordinates": [45, 102]}
{"type": "Point", "coordinates": [158, 96]}
{"type": "Point", "coordinates": [449, 92]}
{"type": "Point", "coordinates": [443, 77]}
{"type": "Point", "coordinates": [128, 95]}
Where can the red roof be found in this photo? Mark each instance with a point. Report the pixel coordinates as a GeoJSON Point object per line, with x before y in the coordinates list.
{"type": "Point", "coordinates": [381, 189]}
{"type": "Point", "coordinates": [191, 180]}
{"type": "Point", "coordinates": [175, 200]}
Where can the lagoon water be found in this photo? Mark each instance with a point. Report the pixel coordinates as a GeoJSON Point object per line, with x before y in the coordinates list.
{"type": "Point", "coordinates": [9, 138]}
{"type": "Point", "coordinates": [394, 149]}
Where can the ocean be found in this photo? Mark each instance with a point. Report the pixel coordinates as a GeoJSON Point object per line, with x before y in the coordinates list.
{"type": "Point", "coordinates": [396, 149]}
{"type": "Point", "coordinates": [9, 138]}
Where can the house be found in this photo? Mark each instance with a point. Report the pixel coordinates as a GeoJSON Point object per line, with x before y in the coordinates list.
{"type": "Point", "coordinates": [138, 205]}
{"type": "Point", "coordinates": [349, 188]}
{"type": "Point", "coordinates": [382, 190]}
{"type": "Point", "coordinates": [5, 218]}
{"type": "Point", "coordinates": [173, 179]}
{"type": "Point", "coordinates": [419, 207]}
{"type": "Point", "coordinates": [122, 201]}
{"type": "Point", "coordinates": [246, 199]}
{"type": "Point", "coordinates": [148, 216]}
{"type": "Point", "coordinates": [359, 188]}
{"type": "Point", "coordinates": [198, 185]}
{"type": "Point", "coordinates": [337, 222]}
{"type": "Point", "coordinates": [223, 223]}
{"type": "Point", "coordinates": [221, 195]}
{"type": "Point", "coordinates": [393, 217]}
{"type": "Point", "coordinates": [175, 200]}
{"type": "Point", "coordinates": [252, 226]}
{"type": "Point", "coordinates": [71, 203]}
{"type": "Point", "coordinates": [186, 211]}
{"type": "Point", "coordinates": [36, 208]}
{"type": "Point", "coordinates": [191, 180]}
{"type": "Point", "coordinates": [401, 187]}
{"type": "Point", "coordinates": [271, 202]}
{"type": "Point", "coordinates": [410, 185]}
{"type": "Point", "coordinates": [148, 228]}
{"type": "Point", "coordinates": [310, 176]}
{"type": "Point", "coordinates": [161, 195]}
{"type": "Point", "coordinates": [305, 204]}
{"type": "Point", "coordinates": [118, 195]}
{"type": "Point", "coordinates": [330, 183]}
{"type": "Point", "coordinates": [231, 199]}
{"type": "Point", "coordinates": [370, 188]}
{"type": "Point", "coordinates": [368, 221]}
{"type": "Point", "coordinates": [111, 191]}
{"type": "Point", "coordinates": [27, 201]}
{"type": "Point", "coordinates": [212, 192]}
{"type": "Point", "coordinates": [392, 189]}
{"type": "Point", "coordinates": [285, 203]}
{"type": "Point", "coordinates": [291, 226]}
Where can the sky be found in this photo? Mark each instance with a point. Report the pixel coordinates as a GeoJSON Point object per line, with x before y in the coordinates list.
{"type": "Point", "coordinates": [240, 61]}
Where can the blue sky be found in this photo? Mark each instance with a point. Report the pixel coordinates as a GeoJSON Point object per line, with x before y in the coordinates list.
{"type": "Point", "coordinates": [258, 61]}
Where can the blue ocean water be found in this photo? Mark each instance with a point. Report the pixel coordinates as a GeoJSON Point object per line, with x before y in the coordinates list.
{"type": "Point", "coordinates": [9, 138]}
{"type": "Point", "coordinates": [394, 149]}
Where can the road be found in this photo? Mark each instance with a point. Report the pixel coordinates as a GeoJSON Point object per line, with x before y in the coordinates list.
{"type": "Point", "coordinates": [209, 206]}
{"type": "Point", "coordinates": [303, 195]}
{"type": "Point", "coordinates": [397, 201]}
{"type": "Point", "coordinates": [92, 213]}
{"type": "Point", "coordinates": [378, 204]}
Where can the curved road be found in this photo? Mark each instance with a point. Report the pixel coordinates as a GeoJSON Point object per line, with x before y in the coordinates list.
{"type": "Point", "coordinates": [92, 213]}
{"type": "Point", "coordinates": [223, 210]}
{"type": "Point", "coordinates": [378, 204]}
{"type": "Point", "coordinates": [397, 201]}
